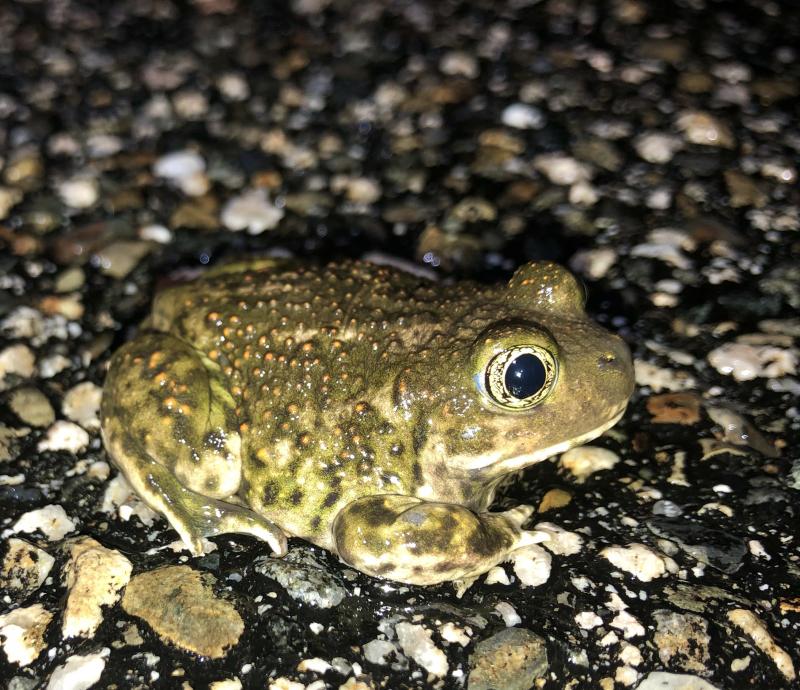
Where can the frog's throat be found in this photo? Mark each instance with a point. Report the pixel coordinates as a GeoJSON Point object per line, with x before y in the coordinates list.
{"type": "Point", "coordinates": [498, 466]}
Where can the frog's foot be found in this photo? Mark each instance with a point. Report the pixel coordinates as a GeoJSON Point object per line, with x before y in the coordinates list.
{"type": "Point", "coordinates": [419, 542]}
{"type": "Point", "coordinates": [194, 516]}
{"type": "Point", "coordinates": [191, 514]}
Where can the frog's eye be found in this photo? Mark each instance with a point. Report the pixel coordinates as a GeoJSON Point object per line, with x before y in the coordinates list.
{"type": "Point", "coordinates": [521, 377]}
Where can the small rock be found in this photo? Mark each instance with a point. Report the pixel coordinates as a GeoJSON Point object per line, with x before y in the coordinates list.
{"type": "Point", "coordinates": [304, 578]}
{"type": "Point", "coordinates": [532, 565]}
{"type": "Point", "coordinates": [593, 263]}
{"type": "Point", "coordinates": [513, 659]}
{"type": "Point", "coordinates": [747, 362]}
{"type": "Point", "coordinates": [457, 63]}
{"type": "Point", "coordinates": [233, 87]}
{"type": "Point", "coordinates": [508, 613]}
{"type": "Point", "coordinates": [32, 407]}
{"type": "Point", "coordinates": [80, 672]}
{"type": "Point", "coordinates": [70, 280]}
{"type": "Point", "coordinates": [682, 640]}
{"type": "Point", "coordinates": [674, 408]}
{"type": "Point", "coordinates": [660, 680]}
{"type": "Point", "coordinates": [363, 191]}
{"type": "Point", "coordinates": [754, 628]}
{"type": "Point", "coordinates": [251, 211]}
{"type": "Point", "coordinates": [16, 360]}
{"type": "Point", "coordinates": [657, 148]}
{"type": "Point", "coordinates": [25, 567]}
{"type": "Point", "coordinates": [9, 197]}
{"type": "Point", "coordinates": [554, 499]}
{"type": "Point", "coordinates": [737, 430]}
{"type": "Point", "coordinates": [377, 651]}
{"type": "Point", "coordinates": [416, 642]}
{"type": "Point", "coordinates": [52, 521]}
{"type": "Point", "coordinates": [522, 116]}
{"type": "Point", "coordinates": [94, 577]}
{"type": "Point", "coordinates": [82, 404]}
{"type": "Point", "coordinates": [64, 436]}
{"type": "Point", "coordinates": [640, 561]}
{"type": "Point", "coordinates": [185, 169]}
{"type": "Point", "coordinates": [705, 129]}
{"type": "Point", "coordinates": [179, 604]}
{"type": "Point", "coordinates": [119, 258]}
{"type": "Point", "coordinates": [562, 169]}
{"type": "Point", "coordinates": [744, 191]}
{"type": "Point", "coordinates": [584, 461]}
{"type": "Point", "coordinates": [22, 633]}
{"type": "Point", "coordinates": [79, 192]}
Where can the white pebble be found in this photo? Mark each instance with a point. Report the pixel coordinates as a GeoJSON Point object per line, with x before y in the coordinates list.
{"type": "Point", "coordinates": [64, 436]}
{"type": "Point", "coordinates": [457, 63]}
{"type": "Point", "coordinates": [747, 362]}
{"type": "Point", "coordinates": [52, 521]}
{"type": "Point", "coordinates": [233, 87]}
{"type": "Point", "coordinates": [522, 116]}
{"type": "Point", "coordinates": [656, 147]}
{"type": "Point", "coordinates": [640, 561]}
{"type": "Point", "coordinates": [82, 404]}
{"type": "Point", "coordinates": [584, 461]}
{"type": "Point", "coordinates": [562, 169]}
{"type": "Point", "coordinates": [251, 211]}
{"type": "Point", "coordinates": [588, 620]}
{"type": "Point", "coordinates": [705, 129]}
{"type": "Point", "coordinates": [18, 360]}
{"type": "Point", "coordinates": [185, 169]}
{"type": "Point", "coordinates": [416, 642]}
{"type": "Point", "coordinates": [155, 233]}
{"type": "Point", "coordinates": [593, 263]}
{"type": "Point", "coordinates": [508, 613]}
{"type": "Point", "coordinates": [532, 565]}
{"type": "Point", "coordinates": [80, 671]}
{"type": "Point", "coordinates": [22, 633]}
{"type": "Point", "coordinates": [94, 577]}
{"type": "Point", "coordinates": [79, 192]}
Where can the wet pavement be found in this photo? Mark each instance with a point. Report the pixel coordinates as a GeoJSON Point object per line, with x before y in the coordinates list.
{"type": "Point", "coordinates": [653, 149]}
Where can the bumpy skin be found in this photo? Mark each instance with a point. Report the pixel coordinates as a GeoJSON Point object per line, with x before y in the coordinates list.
{"type": "Point", "coordinates": [346, 405]}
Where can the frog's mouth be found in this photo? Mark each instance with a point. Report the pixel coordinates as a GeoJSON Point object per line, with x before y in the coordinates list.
{"type": "Point", "coordinates": [497, 465]}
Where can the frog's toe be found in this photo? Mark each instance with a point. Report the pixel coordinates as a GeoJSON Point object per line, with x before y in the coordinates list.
{"type": "Point", "coordinates": [518, 515]}
{"type": "Point", "coordinates": [528, 537]}
{"type": "Point", "coordinates": [244, 521]}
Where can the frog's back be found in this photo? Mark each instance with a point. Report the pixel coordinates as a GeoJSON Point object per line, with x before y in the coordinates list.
{"type": "Point", "coordinates": [310, 355]}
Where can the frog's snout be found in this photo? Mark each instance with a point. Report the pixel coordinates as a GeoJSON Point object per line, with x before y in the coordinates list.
{"type": "Point", "coordinates": [616, 360]}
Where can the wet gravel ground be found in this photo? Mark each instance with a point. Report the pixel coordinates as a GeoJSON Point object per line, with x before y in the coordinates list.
{"type": "Point", "coordinates": [652, 147]}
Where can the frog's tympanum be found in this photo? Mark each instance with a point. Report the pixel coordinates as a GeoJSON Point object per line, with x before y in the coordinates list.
{"type": "Point", "coordinates": [362, 408]}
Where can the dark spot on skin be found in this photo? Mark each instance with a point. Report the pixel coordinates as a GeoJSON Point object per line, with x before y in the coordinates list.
{"type": "Point", "coordinates": [270, 493]}
{"type": "Point", "coordinates": [296, 497]}
{"type": "Point", "coordinates": [416, 468]}
{"type": "Point", "coordinates": [331, 499]}
{"type": "Point", "coordinates": [420, 435]}
{"type": "Point", "coordinates": [443, 567]}
{"type": "Point", "coordinates": [336, 482]}
{"type": "Point", "coordinates": [383, 569]}
{"type": "Point", "coordinates": [396, 449]}
{"type": "Point", "coordinates": [315, 522]}
{"type": "Point", "coordinates": [211, 484]}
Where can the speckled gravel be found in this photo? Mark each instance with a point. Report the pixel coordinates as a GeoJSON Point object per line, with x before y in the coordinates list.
{"type": "Point", "coordinates": [652, 147]}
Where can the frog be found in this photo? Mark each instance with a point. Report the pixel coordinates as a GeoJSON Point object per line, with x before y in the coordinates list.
{"type": "Point", "coordinates": [363, 408]}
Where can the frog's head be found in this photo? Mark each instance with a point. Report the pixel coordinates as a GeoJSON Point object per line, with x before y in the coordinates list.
{"type": "Point", "coordinates": [525, 380]}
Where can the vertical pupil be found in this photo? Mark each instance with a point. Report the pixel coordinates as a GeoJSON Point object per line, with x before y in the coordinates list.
{"type": "Point", "coordinates": [525, 376]}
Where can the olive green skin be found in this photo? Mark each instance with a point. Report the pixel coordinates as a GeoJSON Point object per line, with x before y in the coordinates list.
{"type": "Point", "coordinates": [347, 405]}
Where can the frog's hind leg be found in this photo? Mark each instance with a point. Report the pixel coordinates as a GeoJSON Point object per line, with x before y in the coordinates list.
{"type": "Point", "coordinates": [170, 425]}
{"type": "Point", "coordinates": [423, 543]}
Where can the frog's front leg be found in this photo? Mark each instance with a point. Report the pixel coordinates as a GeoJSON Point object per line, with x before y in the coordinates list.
{"type": "Point", "coordinates": [419, 542]}
{"type": "Point", "coordinates": [169, 423]}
